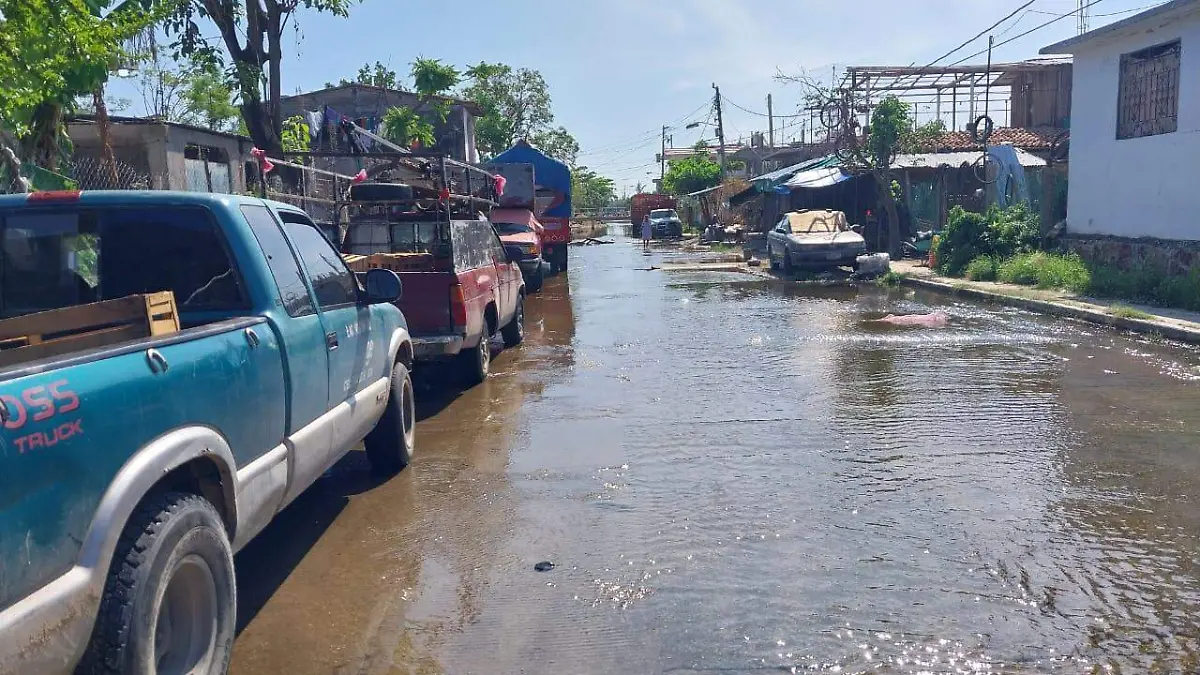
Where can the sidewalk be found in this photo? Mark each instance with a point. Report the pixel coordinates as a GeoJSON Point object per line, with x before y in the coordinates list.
{"type": "Point", "coordinates": [1170, 323]}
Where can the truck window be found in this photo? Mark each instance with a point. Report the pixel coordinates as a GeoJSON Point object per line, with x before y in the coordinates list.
{"type": "Point", "coordinates": [332, 282]}
{"type": "Point", "coordinates": [281, 260]}
{"type": "Point", "coordinates": [56, 258]}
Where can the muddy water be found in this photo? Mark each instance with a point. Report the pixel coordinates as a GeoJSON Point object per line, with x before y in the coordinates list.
{"type": "Point", "coordinates": [737, 475]}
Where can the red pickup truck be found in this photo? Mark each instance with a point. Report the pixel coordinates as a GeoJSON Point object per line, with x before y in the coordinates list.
{"type": "Point", "coordinates": [461, 284]}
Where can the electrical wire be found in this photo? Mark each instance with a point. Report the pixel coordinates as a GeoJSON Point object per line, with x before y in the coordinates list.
{"type": "Point", "coordinates": [976, 37]}
{"type": "Point", "coordinates": [1031, 30]}
{"type": "Point", "coordinates": [1099, 16]}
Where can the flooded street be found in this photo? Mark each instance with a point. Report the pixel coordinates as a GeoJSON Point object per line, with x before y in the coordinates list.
{"type": "Point", "coordinates": [732, 474]}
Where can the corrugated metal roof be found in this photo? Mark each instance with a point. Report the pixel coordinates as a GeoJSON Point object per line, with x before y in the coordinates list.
{"type": "Point", "coordinates": [957, 159]}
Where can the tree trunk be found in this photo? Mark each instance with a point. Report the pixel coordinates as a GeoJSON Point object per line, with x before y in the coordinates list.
{"type": "Point", "coordinates": [274, 30]}
{"type": "Point", "coordinates": [107, 159]}
{"type": "Point", "coordinates": [883, 186]}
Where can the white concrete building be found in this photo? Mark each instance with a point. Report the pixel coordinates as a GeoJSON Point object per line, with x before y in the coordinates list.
{"type": "Point", "coordinates": [1135, 128]}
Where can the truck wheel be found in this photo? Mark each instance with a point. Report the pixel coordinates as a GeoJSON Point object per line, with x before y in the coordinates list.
{"type": "Point", "coordinates": [390, 443]}
{"type": "Point", "coordinates": [514, 332]}
{"type": "Point", "coordinates": [477, 362]}
{"type": "Point", "coordinates": [169, 602]}
{"type": "Point", "coordinates": [537, 279]}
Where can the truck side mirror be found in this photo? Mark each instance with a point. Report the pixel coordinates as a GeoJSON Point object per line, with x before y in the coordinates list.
{"type": "Point", "coordinates": [513, 253]}
{"type": "Point", "coordinates": [383, 286]}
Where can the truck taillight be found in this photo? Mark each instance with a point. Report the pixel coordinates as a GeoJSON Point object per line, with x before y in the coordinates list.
{"type": "Point", "coordinates": [458, 308]}
{"type": "Point", "coordinates": [54, 196]}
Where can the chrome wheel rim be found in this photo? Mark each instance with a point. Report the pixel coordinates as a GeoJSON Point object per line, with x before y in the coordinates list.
{"type": "Point", "coordinates": [185, 630]}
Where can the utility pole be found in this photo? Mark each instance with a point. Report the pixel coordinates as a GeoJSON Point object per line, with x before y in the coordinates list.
{"type": "Point", "coordinates": [770, 123]}
{"type": "Point", "coordinates": [720, 128]}
{"type": "Point", "coordinates": [662, 159]}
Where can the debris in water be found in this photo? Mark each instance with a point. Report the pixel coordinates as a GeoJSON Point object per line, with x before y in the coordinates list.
{"type": "Point", "coordinates": [931, 320]}
{"type": "Point", "coordinates": [544, 566]}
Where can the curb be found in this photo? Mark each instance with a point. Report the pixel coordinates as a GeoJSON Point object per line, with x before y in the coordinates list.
{"type": "Point", "coordinates": [1100, 317]}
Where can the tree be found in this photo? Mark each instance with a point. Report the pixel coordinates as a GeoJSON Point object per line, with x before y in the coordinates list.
{"type": "Point", "coordinates": [590, 190]}
{"type": "Point", "coordinates": [516, 104]}
{"type": "Point", "coordinates": [559, 144]}
{"type": "Point", "coordinates": [691, 174]}
{"type": "Point", "coordinates": [405, 127]}
{"type": "Point", "coordinates": [52, 51]}
{"type": "Point", "coordinates": [252, 32]}
{"type": "Point", "coordinates": [208, 100]}
{"type": "Point", "coordinates": [377, 76]}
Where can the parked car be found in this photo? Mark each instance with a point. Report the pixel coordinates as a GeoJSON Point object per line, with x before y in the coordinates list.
{"type": "Point", "coordinates": [518, 227]}
{"type": "Point", "coordinates": [665, 223]}
{"type": "Point", "coordinates": [135, 467]}
{"type": "Point", "coordinates": [816, 239]}
{"type": "Point", "coordinates": [462, 285]}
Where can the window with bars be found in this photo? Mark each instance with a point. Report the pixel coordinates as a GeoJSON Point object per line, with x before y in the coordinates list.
{"type": "Point", "coordinates": [1148, 92]}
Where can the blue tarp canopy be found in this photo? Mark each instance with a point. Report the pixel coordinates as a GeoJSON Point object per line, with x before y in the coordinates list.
{"type": "Point", "coordinates": [549, 174]}
{"type": "Point", "coordinates": [816, 178]}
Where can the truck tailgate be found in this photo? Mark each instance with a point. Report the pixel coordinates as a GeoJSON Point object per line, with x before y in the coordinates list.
{"type": "Point", "coordinates": [426, 302]}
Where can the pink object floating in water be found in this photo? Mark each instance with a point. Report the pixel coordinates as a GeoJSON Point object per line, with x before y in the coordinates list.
{"type": "Point", "coordinates": [930, 320]}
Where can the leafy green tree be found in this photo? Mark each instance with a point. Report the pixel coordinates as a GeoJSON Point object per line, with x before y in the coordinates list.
{"type": "Point", "coordinates": [253, 33]}
{"type": "Point", "coordinates": [559, 144]}
{"type": "Point", "coordinates": [405, 127]}
{"type": "Point", "coordinates": [378, 75]}
{"type": "Point", "coordinates": [515, 102]}
{"type": "Point", "coordinates": [590, 190]}
{"type": "Point", "coordinates": [208, 100]}
{"type": "Point", "coordinates": [691, 174]}
{"type": "Point", "coordinates": [295, 135]}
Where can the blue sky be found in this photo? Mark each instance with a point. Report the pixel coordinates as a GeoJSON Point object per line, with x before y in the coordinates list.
{"type": "Point", "coordinates": [620, 69]}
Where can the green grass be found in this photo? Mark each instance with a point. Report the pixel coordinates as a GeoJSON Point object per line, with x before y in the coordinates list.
{"type": "Point", "coordinates": [1144, 284]}
{"type": "Point", "coordinates": [891, 279]}
{"type": "Point", "coordinates": [1047, 271]}
{"type": "Point", "coordinates": [1127, 312]}
{"type": "Point", "coordinates": [982, 268]}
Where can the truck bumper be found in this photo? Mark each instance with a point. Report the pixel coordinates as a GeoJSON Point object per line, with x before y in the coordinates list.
{"type": "Point", "coordinates": [435, 347]}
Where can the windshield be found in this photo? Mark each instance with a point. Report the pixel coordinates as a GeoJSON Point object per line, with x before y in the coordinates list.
{"type": "Point", "coordinates": [662, 214]}
{"type": "Point", "coordinates": [512, 228]}
{"type": "Point", "coordinates": [365, 237]}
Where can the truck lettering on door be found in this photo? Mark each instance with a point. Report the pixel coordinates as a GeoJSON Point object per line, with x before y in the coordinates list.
{"type": "Point", "coordinates": [38, 404]}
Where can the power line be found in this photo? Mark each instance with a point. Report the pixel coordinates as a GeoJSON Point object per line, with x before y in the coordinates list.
{"type": "Point", "coordinates": [978, 35]}
{"type": "Point", "coordinates": [1097, 16]}
{"type": "Point", "coordinates": [1031, 30]}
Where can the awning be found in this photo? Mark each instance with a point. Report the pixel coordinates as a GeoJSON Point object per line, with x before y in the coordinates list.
{"type": "Point", "coordinates": [816, 178]}
{"type": "Point", "coordinates": [767, 181]}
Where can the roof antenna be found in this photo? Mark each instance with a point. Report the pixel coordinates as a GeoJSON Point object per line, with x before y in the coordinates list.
{"type": "Point", "coordinates": [1084, 23]}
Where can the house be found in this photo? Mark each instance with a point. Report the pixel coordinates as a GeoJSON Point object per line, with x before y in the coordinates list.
{"type": "Point", "coordinates": [366, 105]}
{"type": "Point", "coordinates": [154, 154]}
{"type": "Point", "coordinates": [1135, 136]}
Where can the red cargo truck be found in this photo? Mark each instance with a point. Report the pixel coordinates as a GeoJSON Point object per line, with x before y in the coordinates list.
{"type": "Point", "coordinates": [640, 206]}
{"type": "Point", "coordinates": [552, 185]}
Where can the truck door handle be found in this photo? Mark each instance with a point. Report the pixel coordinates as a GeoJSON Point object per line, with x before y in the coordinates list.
{"type": "Point", "coordinates": [331, 341]}
{"type": "Point", "coordinates": [158, 362]}
{"type": "Point", "coordinates": [251, 337]}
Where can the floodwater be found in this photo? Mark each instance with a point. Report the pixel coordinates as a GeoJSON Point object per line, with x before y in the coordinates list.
{"type": "Point", "coordinates": [735, 475]}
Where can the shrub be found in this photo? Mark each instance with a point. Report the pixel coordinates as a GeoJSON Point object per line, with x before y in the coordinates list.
{"type": "Point", "coordinates": [996, 233]}
{"type": "Point", "coordinates": [982, 268]}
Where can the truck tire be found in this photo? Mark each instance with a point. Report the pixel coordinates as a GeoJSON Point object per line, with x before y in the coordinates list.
{"type": "Point", "coordinates": [537, 279]}
{"type": "Point", "coordinates": [477, 362]}
{"type": "Point", "coordinates": [170, 600]}
{"type": "Point", "coordinates": [514, 332]}
{"type": "Point", "coordinates": [390, 444]}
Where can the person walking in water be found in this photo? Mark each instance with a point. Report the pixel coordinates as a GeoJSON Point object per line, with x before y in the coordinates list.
{"type": "Point", "coordinates": [646, 233]}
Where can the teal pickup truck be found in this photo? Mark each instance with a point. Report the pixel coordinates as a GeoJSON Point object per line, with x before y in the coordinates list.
{"type": "Point", "coordinates": [130, 473]}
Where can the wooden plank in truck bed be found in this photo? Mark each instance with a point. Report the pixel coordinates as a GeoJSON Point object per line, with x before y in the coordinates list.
{"type": "Point", "coordinates": [62, 331]}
